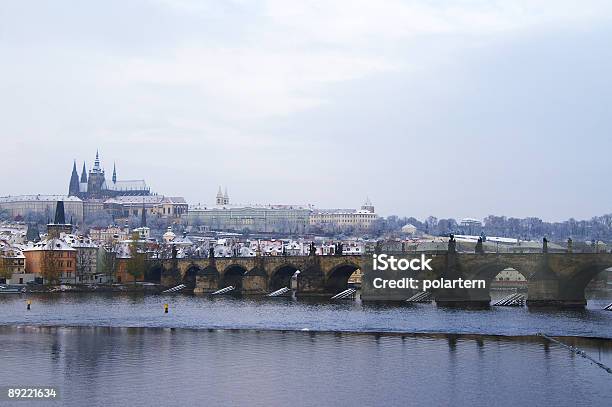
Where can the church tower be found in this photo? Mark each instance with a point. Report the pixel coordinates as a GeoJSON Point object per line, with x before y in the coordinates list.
{"type": "Point", "coordinates": [96, 182]}
{"type": "Point", "coordinates": [220, 199]}
{"type": "Point", "coordinates": [59, 225]}
{"type": "Point", "coordinates": [225, 197]}
{"type": "Point", "coordinates": [73, 188]}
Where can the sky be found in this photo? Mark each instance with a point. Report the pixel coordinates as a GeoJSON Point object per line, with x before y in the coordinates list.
{"type": "Point", "coordinates": [448, 108]}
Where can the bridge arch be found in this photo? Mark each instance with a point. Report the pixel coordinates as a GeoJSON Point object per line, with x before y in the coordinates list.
{"type": "Point", "coordinates": [489, 271]}
{"type": "Point", "coordinates": [338, 277]}
{"type": "Point", "coordinates": [154, 274]}
{"type": "Point", "coordinates": [233, 275]}
{"type": "Point", "coordinates": [281, 276]}
{"type": "Point", "coordinates": [574, 288]}
{"type": "Point", "coordinates": [189, 278]}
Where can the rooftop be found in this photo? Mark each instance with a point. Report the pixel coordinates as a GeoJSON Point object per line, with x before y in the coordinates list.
{"type": "Point", "coordinates": [44, 198]}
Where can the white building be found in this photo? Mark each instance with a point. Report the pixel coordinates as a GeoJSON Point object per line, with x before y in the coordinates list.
{"type": "Point", "coordinates": [154, 205]}
{"type": "Point", "coordinates": [361, 218]}
{"type": "Point", "coordinates": [44, 205]}
{"type": "Point", "coordinates": [409, 229]}
{"type": "Point", "coordinates": [86, 260]}
{"type": "Point", "coordinates": [12, 262]}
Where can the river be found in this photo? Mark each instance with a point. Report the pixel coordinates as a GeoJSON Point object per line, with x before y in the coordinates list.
{"type": "Point", "coordinates": [120, 349]}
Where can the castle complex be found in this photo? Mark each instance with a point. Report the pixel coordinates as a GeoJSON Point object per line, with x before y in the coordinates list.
{"type": "Point", "coordinates": [95, 185]}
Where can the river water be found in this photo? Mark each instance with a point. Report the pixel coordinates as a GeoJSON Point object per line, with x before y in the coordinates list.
{"type": "Point", "coordinates": [115, 350]}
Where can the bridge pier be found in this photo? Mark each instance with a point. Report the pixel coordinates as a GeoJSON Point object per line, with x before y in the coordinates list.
{"type": "Point", "coordinates": [255, 282]}
{"type": "Point", "coordinates": [554, 293]}
{"type": "Point", "coordinates": [207, 281]}
{"type": "Point", "coordinates": [311, 282]}
{"type": "Point", "coordinates": [458, 297]}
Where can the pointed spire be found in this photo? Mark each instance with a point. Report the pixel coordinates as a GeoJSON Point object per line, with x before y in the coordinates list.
{"type": "Point", "coordinates": [32, 234]}
{"type": "Point", "coordinates": [96, 167]}
{"type": "Point", "coordinates": [84, 174]}
{"type": "Point", "coordinates": [114, 174]}
{"type": "Point", "coordinates": [60, 215]}
{"type": "Point", "coordinates": [73, 187]}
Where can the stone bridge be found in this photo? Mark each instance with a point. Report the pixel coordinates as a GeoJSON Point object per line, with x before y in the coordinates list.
{"type": "Point", "coordinates": [552, 278]}
{"type": "Point", "coordinates": [261, 275]}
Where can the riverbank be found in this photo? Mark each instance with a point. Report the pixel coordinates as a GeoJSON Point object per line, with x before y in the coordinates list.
{"type": "Point", "coordinates": [149, 288]}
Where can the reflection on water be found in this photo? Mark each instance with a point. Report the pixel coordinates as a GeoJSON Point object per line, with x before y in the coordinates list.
{"type": "Point", "coordinates": [182, 367]}
{"type": "Point", "coordinates": [188, 311]}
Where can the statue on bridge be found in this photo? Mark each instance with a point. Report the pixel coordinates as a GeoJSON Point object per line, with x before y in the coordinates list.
{"type": "Point", "coordinates": [452, 244]}
{"type": "Point", "coordinates": [479, 249]}
{"type": "Point", "coordinates": [312, 251]}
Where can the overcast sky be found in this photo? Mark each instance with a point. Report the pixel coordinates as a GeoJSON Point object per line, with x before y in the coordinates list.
{"type": "Point", "coordinates": [445, 108]}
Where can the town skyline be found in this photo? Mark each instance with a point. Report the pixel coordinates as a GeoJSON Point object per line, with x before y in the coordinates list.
{"type": "Point", "coordinates": [97, 164]}
{"type": "Point", "coordinates": [210, 199]}
{"type": "Point", "coordinates": [494, 109]}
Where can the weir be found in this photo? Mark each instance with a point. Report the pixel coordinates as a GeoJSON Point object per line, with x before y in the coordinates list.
{"type": "Point", "coordinates": [174, 289]}
{"type": "Point", "coordinates": [222, 291]}
{"type": "Point", "coordinates": [420, 297]}
{"type": "Point", "coordinates": [512, 300]}
{"type": "Point", "coordinates": [279, 292]}
{"type": "Point", "coordinates": [348, 293]}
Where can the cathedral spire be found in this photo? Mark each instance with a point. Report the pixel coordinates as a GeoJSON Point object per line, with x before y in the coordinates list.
{"type": "Point", "coordinates": [114, 174]}
{"type": "Point", "coordinates": [73, 187]}
{"type": "Point", "coordinates": [84, 174]}
{"type": "Point", "coordinates": [96, 167]}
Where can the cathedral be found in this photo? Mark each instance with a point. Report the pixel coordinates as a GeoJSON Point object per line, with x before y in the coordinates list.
{"type": "Point", "coordinates": [95, 186]}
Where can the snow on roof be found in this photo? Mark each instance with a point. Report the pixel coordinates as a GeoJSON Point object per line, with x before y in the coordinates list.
{"type": "Point", "coordinates": [136, 199]}
{"type": "Point", "coordinates": [50, 244]}
{"type": "Point", "coordinates": [470, 220]}
{"type": "Point", "coordinates": [128, 185]}
{"type": "Point", "coordinates": [204, 208]}
{"type": "Point", "coordinates": [44, 198]}
{"type": "Point", "coordinates": [174, 200]}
